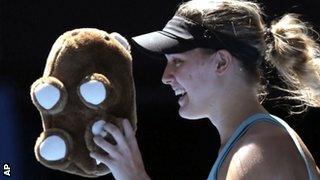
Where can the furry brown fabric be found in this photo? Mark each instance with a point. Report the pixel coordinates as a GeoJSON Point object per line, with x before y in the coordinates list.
{"type": "Point", "coordinates": [77, 57]}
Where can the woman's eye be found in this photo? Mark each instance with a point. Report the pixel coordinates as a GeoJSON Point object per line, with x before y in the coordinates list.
{"type": "Point", "coordinates": [177, 62]}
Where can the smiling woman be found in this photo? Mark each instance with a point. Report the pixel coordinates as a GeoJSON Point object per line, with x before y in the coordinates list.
{"type": "Point", "coordinates": [215, 52]}
{"type": "Point", "coordinates": [190, 75]}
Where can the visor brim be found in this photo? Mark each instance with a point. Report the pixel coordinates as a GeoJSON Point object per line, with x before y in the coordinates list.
{"type": "Point", "coordinates": [158, 43]}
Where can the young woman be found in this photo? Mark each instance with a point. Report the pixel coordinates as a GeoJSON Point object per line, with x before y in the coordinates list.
{"type": "Point", "coordinates": [216, 51]}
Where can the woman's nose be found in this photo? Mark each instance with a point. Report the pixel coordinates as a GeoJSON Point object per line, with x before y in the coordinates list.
{"type": "Point", "coordinates": [167, 76]}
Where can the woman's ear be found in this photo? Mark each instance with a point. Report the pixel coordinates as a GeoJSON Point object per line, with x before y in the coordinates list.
{"type": "Point", "coordinates": [223, 61]}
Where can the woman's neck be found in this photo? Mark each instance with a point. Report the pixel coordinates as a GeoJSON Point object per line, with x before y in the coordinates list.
{"type": "Point", "coordinates": [230, 115]}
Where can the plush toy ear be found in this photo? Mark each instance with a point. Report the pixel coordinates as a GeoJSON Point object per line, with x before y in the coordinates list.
{"type": "Point", "coordinates": [121, 39]}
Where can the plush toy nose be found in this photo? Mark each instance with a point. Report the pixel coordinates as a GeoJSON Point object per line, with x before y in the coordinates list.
{"type": "Point", "coordinates": [53, 148]}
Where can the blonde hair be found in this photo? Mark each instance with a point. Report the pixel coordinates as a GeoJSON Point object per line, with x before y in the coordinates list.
{"type": "Point", "coordinates": [287, 45]}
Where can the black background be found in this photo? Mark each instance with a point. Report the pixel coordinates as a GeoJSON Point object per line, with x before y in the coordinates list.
{"type": "Point", "coordinates": [172, 147]}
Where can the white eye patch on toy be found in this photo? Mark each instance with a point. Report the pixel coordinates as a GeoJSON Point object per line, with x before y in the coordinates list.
{"type": "Point", "coordinates": [93, 92]}
{"type": "Point", "coordinates": [47, 95]}
{"type": "Point", "coordinates": [53, 148]}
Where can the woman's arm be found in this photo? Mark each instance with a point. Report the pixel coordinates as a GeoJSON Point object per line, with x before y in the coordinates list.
{"type": "Point", "coordinates": [124, 159]}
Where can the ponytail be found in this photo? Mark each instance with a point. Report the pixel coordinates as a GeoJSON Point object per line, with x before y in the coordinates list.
{"type": "Point", "coordinates": [296, 56]}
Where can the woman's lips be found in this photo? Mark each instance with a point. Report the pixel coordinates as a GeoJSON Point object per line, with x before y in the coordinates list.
{"type": "Point", "coordinates": [181, 100]}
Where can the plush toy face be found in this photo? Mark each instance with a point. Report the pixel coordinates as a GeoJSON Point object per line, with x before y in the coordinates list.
{"type": "Point", "coordinates": [87, 81]}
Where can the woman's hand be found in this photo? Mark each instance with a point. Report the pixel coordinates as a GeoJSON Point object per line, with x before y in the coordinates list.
{"type": "Point", "coordinates": [124, 159]}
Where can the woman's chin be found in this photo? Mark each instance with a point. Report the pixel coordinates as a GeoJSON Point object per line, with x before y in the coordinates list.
{"type": "Point", "coordinates": [191, 112]}
{"type": "Point", "coordinates": [185, 110]}
{"type": "Point", "coordinates": [184, 113]}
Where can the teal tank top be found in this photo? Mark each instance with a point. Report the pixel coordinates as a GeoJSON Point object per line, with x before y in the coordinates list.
{"type": "Point", "coordinates": [243, 128]}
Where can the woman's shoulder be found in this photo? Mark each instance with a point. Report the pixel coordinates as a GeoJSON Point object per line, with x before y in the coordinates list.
{"type": "Point", "coordinates": [266, 151]}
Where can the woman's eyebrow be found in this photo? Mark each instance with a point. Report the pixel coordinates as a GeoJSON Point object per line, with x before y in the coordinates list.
{"type": "Point", "coordinates": [178, 56]}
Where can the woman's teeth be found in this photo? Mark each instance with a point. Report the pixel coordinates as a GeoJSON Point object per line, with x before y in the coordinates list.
{"type": "Point", "coordinates": [180, 92]}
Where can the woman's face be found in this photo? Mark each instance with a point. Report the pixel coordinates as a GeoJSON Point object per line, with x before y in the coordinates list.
{"type": "Point", "coordinates": [191, 76]}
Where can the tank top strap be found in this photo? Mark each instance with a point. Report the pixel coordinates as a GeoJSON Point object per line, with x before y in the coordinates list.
{"type": "Point", "coordinates": [242, 129]}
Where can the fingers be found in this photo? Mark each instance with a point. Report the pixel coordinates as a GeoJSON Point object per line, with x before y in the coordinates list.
{"type": "Point", "coordinates": [116, 134]}
{"type": "Point", "coordinates": [102, 158]}
{"type": "Point", "coordinates": [125, 142]}
{"type": "Point", "coordinates": [106, 146]}
{"type": "Point", "coordinates": [128, 131]}
{"type": "Point", "coordinates": [125, 156]}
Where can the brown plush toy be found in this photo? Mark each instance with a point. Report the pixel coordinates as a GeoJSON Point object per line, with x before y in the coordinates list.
{"type": "Point", "coordinates": [87, 81]}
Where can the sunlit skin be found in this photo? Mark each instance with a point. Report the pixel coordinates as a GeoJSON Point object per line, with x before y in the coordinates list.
{"type": "Point", "coordinates": [214, 86]}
